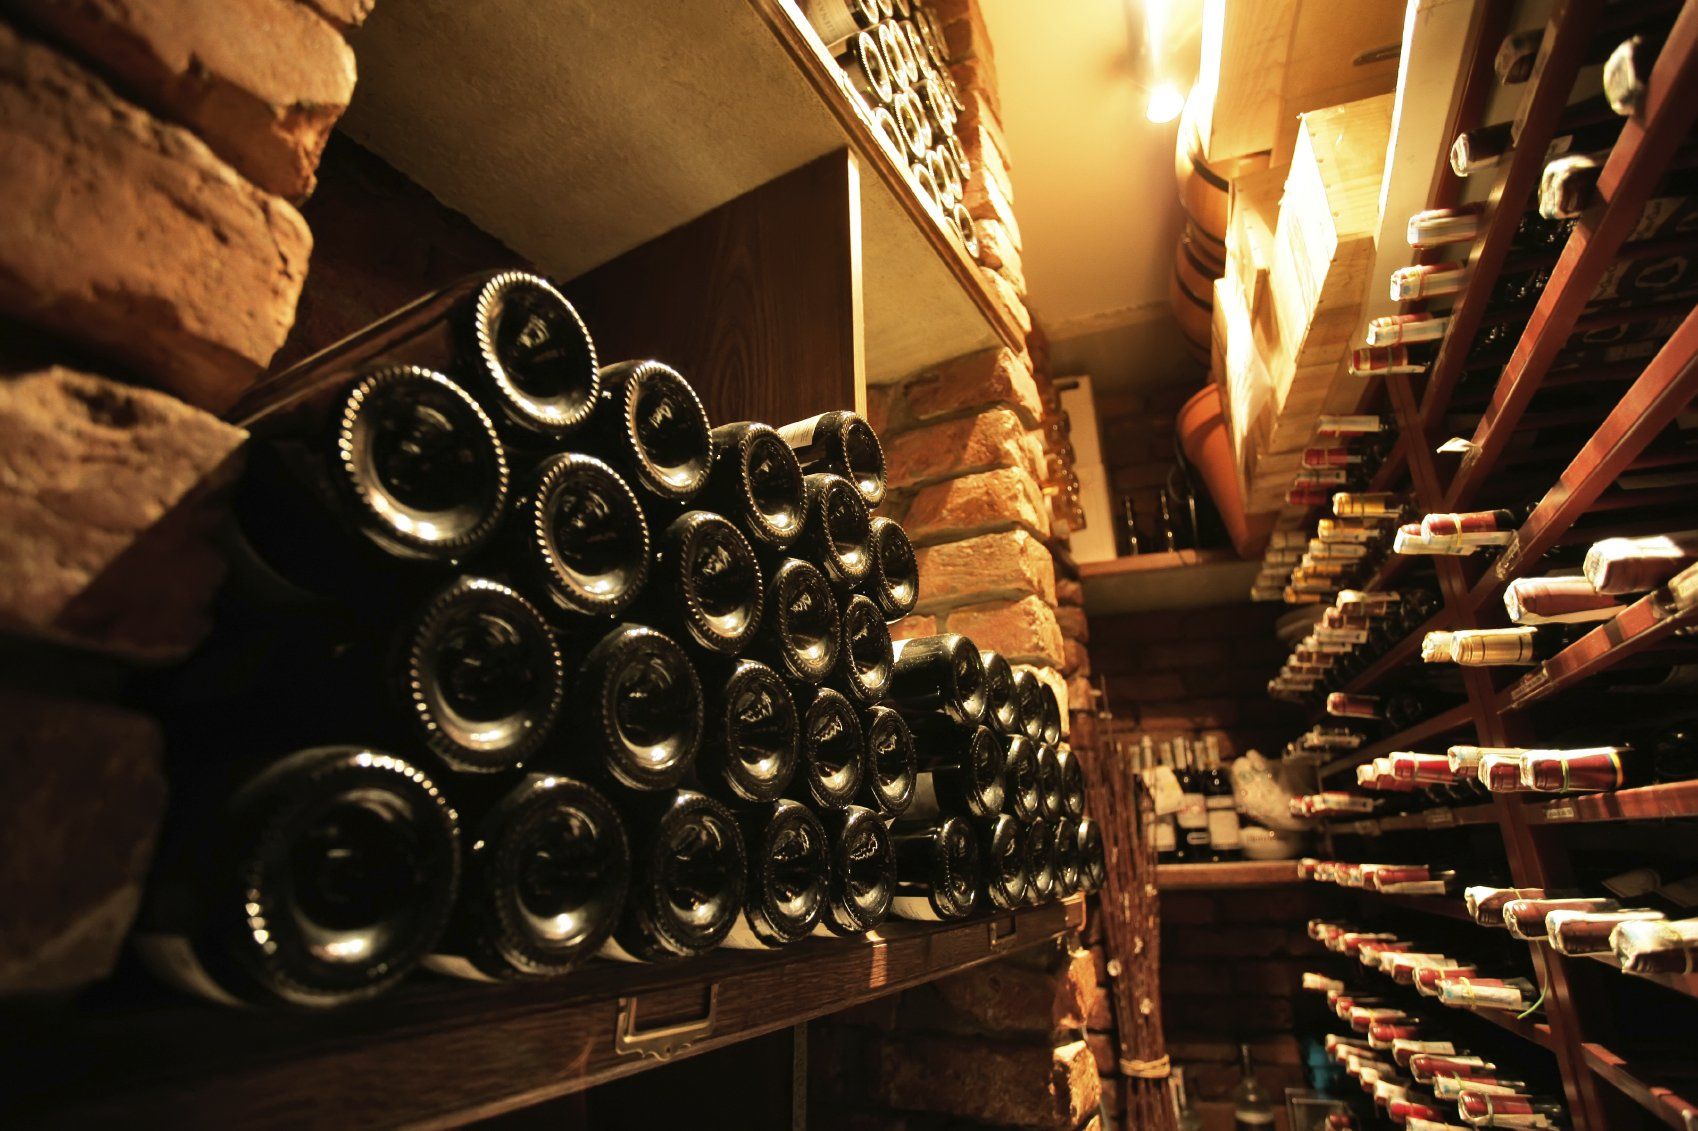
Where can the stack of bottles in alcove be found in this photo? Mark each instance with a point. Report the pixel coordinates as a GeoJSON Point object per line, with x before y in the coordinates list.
{"type": "Point", "coordinates": [522, 662]}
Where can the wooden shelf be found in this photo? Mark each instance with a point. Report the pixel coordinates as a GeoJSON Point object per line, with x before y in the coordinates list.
{"type": "Point", "coordinates": [1647, 803]}
{"type": "Point", "coordinates": [1443, 906]}
{"type": "Point", "coordinates": [1451, 719]}
{"type": "Point", "coordinates": [1428, 819]}
{"type": "Point", "coordinates": [442, 1053]}
{"type": "Point", "coordinates": [1175, 579]}
{"type": "Point", "coordinates": [1635, 628]}
{"type": "Point", "coordinates": [575, 131]}
{"type": "Point", "coordinates": [1635, 1082]}
{"type": "Point", "coordinates": [1238, 874]}
{"type": "Point", "coordinates": [1396, 656]}
{"type": "Point", "coordinates": [1686, 984]}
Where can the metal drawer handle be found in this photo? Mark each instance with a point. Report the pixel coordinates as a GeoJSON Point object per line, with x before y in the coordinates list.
{"type": "Point", "coordinates": [664, 1040]}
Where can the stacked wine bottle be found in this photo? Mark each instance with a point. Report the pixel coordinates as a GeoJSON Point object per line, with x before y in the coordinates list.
{"type": "Point", "coordinates": [523, 663]}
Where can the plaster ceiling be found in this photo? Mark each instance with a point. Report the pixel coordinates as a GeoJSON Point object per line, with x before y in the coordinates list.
{"type": "Point", "coordinates": [1093, 179]}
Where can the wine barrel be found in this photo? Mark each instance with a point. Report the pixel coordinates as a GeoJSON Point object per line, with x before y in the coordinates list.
{"type": "Point", "coordinates": [1204, 194]}
{"type": "Point", "coordinates": [1196, 271]}
{"type": "Point", "coordinates": [1195, 315]}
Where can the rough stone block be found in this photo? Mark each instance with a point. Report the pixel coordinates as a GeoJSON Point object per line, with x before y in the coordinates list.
{"type": "Point", "coordinates": [959, 446]}
{"type": "Point", "coordinates": [1068, 591]}
{"type": "Point", "coordinates": [977, 380]}
{"type": "Point", "coordinates": [1073, 623]}
{"type": "Point", "coordinates": [987, 154]}
{"type": "Point", "coordinates": [130, 236]}
{"type": "Point", "coordinates": [82, 792]}
{"type": "Point", "coordinates": [1004, 1083]}
{"type": "Point", "coordinates": [985, 200]}
{"type": "Point", "coordinates": [261, 81]}
{"type": "Point", "coordinates": [1023, 630]}
{"type": "Point", "coordinates": [1010, 564]}
{"type": "Point", "coordinates": [977, 504]}
{"type": "Point", "coordinates": [1105, 1051]}
{"type": "Point", "coordinates": [913, 625]}
{"type": "Point", "coordinates": [1010, 298]}
{"type": "Point", "coordinates": [107, 496]}
{"type": "Point", "coordinates": [879, 404]}
{"type": "Point", "coordinates": [345, 14]}
{"type": "Point", "coordinates": [1077, 661]}
{"type": "Point", "coordinates": [997, 251]}
{"type": "Point", "coordinates": [1007, 999]}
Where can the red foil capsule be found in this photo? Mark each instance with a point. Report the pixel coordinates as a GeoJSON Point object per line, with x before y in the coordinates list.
{"type": "Point", "coordinates": [1401, 1111]}
{"type": "Point", "coordinates": [1525, 918]}
{"type": "Point", "coordinates": [1561, 771]}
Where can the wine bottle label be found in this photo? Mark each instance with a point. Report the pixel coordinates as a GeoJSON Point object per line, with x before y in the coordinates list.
{"type": "Point", "coordinates": [1557, 600]}
{"type": "Point", "coordinates": [1321, 983]}
{"type": "Point", "coordinates": [1414, 887]}
{"type": "Point", "coordinates": [1167, 838]}
{"type": "Point", "coordinates": [1224, 830]}
{"type": "Point", "coordinates": [1330, 425]}
{"type": "Point", "coordinates": [455, 966]}
{"type": "Point", "coordinates": [1525, 918]}
{"type": "Point", "coordinates": [1425, 1067]}
{"type": "Point", "coordinates": [1426, 281]}
{"type": "Point", "coordinates": [1490, 647]}
{"type": "Point", "coordinates": [1485, 904]}
{"type": "Point", "coordinates": [1476, 994]}
{"type": "Point", "coordinates": [1315, 478]}
{"type": "Point", "coordinates": [743, 937]}
{"type": "Point", "coordinates": [1193, 811]}
{"type": "Point", "coordinates": [1560, 771]}
{"type": "Point", "coordinates": [1248, 1117]}
{"type": "Point", "coordinates": [1633, 565]}
{"type": "Point", "coordinates": [1588, 932]}
{"type": "Point", "coordinates": [1500, 773]}
{"type": "Point", "coordinates": [1452, 1087]}
{"type": "Point", "coordinates": [1366, 504]}
{"type": "Point", "coordinates": [1436, 227]}
{"type": "Point", "coordinates": [1347, 706]}
{"type": "Point", "coordinates": [1373, 360]}
{"type": "Point", "coordinates": [917, 907]}
{"type": "Point", "coordinates": [1403, 329]}
{"type": "Point", "coordinates": [801, 433]}
{"type": "Point", "coordinates": [1468, 522]}
{"type": "Point", "coordinates": [173, 960]}
{"type": "Point", "coordinates": [1657, 948]}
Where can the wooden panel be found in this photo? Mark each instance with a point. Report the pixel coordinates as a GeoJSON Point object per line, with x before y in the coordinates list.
{"type": "Point", "coordinates": [754, 302]}
{"type": "Point", "coordinates": [1179, 580]}
{"type": "Point", "coordinates": [575, 131]}
{"type": "Point", "coordinates": [1241, 874]}
{"type": "Point", "coordinates": [440, 1055]}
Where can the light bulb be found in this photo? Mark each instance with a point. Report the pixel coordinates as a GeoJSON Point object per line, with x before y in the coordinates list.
{"type": "Point", "coordinates": [1166, 103]}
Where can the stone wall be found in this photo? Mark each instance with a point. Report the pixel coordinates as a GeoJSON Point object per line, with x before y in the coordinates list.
{"type": "Point", "coordinates": [151, 258]}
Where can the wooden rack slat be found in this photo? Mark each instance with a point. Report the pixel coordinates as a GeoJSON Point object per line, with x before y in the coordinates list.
{"type": "Point", "coordinates": [1637, 627]}
{"type": "Point", "coordinates": [1668, 801]}
{"type": "Point", "coordinates": [1662, 1102]}
{"type": "Point", "coordinates": [1447, 720]}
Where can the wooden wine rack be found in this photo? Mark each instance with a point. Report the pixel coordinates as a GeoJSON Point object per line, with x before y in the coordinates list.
{"type": "Point", "coordinates": [1605, 1091]}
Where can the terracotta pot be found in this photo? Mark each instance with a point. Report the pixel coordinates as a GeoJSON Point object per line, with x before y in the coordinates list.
{"type": "Point", "coordinates": [1201, 424]}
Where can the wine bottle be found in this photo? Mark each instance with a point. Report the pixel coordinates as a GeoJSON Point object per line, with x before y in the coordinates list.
{"type": "Point", "coordinates": [650, 425]}
{"type": "Point", "coordinates": [402, 465]}
{"type": "Point", "coordinates": [833, 751]}
{"type": "Point", "coordinates": [1002, 853]}
{"type": "Point", "coordinates": [640, 703]}
{"type": "Point", "coordinates": [706, 582]}
{"type": "Point", "coordinates": [799, 638]}
{"type": "Point", "coordinates": [1049, 783]}
{"type": "Point", "coordinates": [888, 778]}
{"type": "Point", "coordinates": [1193, 815]}
{"type": "Point", "coordinates": [864, 64]}
{"type": "Point", "coordinates": [1066, 853]}
{"type": "Point", "coordinates": [937, 870]}
{"type": "Point", "coordinates": [1589, 932]}
{"type": "Point", "coordinates": [835, 529]}
{"type": "Point", "coordinates": [1557, 600]}
{"type": "Point", "coordinates": [866, 657]}
{"type": "Point", "coordinates": [1252, 1109]}
{"type": "Point", "coordinates": [1633, 565]}
{"type": "Point", "coordinates": [544, 885]}
{"type": "Point", "coordinates": [1525, 918]}
{"type": "Point", "coordinates": [319, 879]}
{"type": "Point", "coordinates": [1627, 73]}
{"type": "Point", "coordinates": [840, 443]}
{"type": "Point", "coordinates": [533, 357]}
{"type": "Point", "coordinates": [1657, 948]}
{"type": "Point", "coordinates": [1023, 790]}
{"type": "Point", "coordinates": [1037, 845]}
{"type": "Point", "coordinates": [893, 581]}
{"type": "Point", "coordinates": [789, 877]}
{"type": "Point", "coordinates": [1072, 783]}
{"type": "Point", "coordinates": [1093, 856]}
{"type": "Point", "coordinates": [480, 675]}
{"type": "Point", "coordinates": [1503, 647]}
{"type": "Point", "coordinates": [1028, 698]}
{"type": "Point", "coordinates": [1582, 128]}
{"type": "Point", "coordinates": [961, 769]}
{"type": "Point", "coordinates": [1482, 1109]}
{"type": "Point", "coordinates": [1596, 768]}
{"type": "Point", "coordinates": [1485, 904]}
{"type": "Point", "coordinates": [583, 540]}
{"type": "Point", "coordinates": [1002, 708]}
{"type": "Point", "coordinates": [1220, 805]}
{"type": "Point", "coordinates": [749, 741]}
{"type": "Point", "coordinates": [862, 875]}
{"type": "Point", "coordinates": [939, 673]}
{"type": "Point", "coordinates": [689, 874]}
{"type": "Point", "coordinates": [1051, 714]}
{"type": "Point", "coordinates": [756, 483]}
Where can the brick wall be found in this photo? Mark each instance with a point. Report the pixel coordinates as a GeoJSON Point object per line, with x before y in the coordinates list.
{"type": "Point", "coordinates": [1231, 967]}
{"type": "Point", "coordinates": [1188, 671]}
{"type": "Point", "coordinates": [151, 257]}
